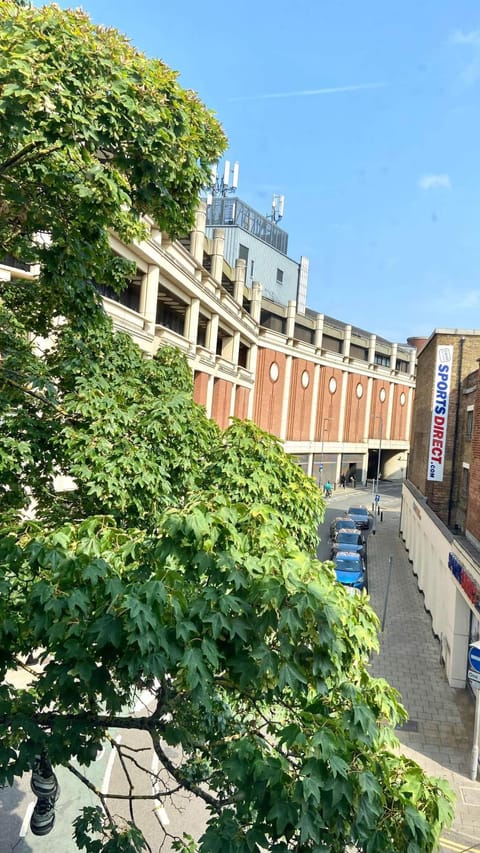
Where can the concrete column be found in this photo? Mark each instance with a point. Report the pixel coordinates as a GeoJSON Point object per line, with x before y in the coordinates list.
{"type": "Point", "coordinates": [368, 408]}
{"type": "Point", "coordinates": [319, 323]}
{"type": "Point", "coordinates": [388, 425]}
{"type": "Point", "coordinates": [149, 297]}
{"type": "Point", "coordinates": [256, 305]}
{"type": "Point", "coordinates": [393, 357]}
{"type": "Point", "coordinates": [239, 283]}
{"type": "Point", "coordinates": [209, 396]}
{"type": "Point", "coordinates": [212, 334]}
{"type": "Point", "coordinates": [197, 236]}
{"type": "Point", "coordinates": [408, 420]}
{"type": "Point", "coordinates": [231, 413]}
{"type": "Point", "coordinates": [217, 256]}
{"type": "Point", "coordinates": [291, 314]}
{"type": "Point", "coordinates": [413, 361]}
{"type": "Point", "coordinates": [191, 321]}
{"type": "Point", "coordinates": [347, 341]}
{"type": "Point", "coordinates": [286, 397]}
{"type": "Point", "coordinates": [371, 349]}
{"type": "Point", "coordinates": [343, 406]}
{"type": "Point", "coordinates": [231, 347]}
{"type": "Point", "coordinates": [315, 392]}
{"type": "Point", "coordinates": [252, 367]}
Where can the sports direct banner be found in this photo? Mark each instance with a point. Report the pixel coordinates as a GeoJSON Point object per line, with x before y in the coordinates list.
{"type": "Point", "coordinates": [438, 431]}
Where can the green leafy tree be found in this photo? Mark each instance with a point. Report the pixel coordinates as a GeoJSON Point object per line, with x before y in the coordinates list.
{"type": "Point", "coordinates": [179, 563]}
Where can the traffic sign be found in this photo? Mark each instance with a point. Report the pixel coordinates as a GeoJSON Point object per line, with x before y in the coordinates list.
{"type": "Point", "coordinates": [474, 657]}
{"type": "Point", "coordinates": [474, 678]}
{"type": "Point", "coordinates": [377, 499]}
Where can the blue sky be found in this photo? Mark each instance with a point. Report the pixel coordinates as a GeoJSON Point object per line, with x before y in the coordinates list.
{"type": "Point", "coordinates": [366, 116]}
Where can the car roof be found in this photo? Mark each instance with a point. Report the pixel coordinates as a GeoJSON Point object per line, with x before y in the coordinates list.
{"type": "Point", "coordinates": [358, 508]}
{"type": "Point", "coordinates": [348, 555]}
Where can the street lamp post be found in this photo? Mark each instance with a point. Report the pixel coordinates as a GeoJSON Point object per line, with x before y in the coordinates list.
{"type": "Point", "coordinates": [324, 430]}
{"type": "Point", "coordinates": [379, 453]}
{"type": "Point", "coordinates": [377, 417]}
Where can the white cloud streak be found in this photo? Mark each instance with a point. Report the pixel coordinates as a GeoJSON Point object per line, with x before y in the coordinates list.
{"type": "Point", "coordinates": [469, 41]}
{"type": "Point", "coordinates": [434, 182]}
{"type": "Point", "coordinates": [459, 37]}
{"type": "Point", "coordinates": [308, 93]}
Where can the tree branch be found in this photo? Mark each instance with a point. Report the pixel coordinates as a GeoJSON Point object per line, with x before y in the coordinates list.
{"type": "Point", "coordinates": [23, 154]}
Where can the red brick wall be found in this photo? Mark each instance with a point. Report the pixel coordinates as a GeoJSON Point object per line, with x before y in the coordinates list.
{"type": "Point", "coordinates": [439, 493]}
{"type": "Point", "coordinates": [328, 404]}
{"type": "Point", "coordinates": [222, 394]}
{"type": "Point", "coordinates": [473, 512]}
{"type": "Point", "coordinates": [355, 408]}
{"type": "Point", "coordinates": [241, 402]}
{"type": "Point", "coordinates": [200, 384]}
{"type": "Point", "coordinates": [398, 428]}
{"type": "Point", "coordinates": [300, 401]}
{"type": "Point", "coordinates": [268, 394]}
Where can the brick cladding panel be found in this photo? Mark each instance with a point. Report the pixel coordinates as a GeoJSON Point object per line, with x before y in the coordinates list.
{"type": "Point", "coordinates": [438, 494]}
{"type": "Point", "coordinates": [300, 401]}
{"type": "Point", "coordinates": [378, 409]}
{"type": "Point", "coordinates": [398, 430]}
{"type": "Point", "coordinates": [328, 403]}
{"type": "Point", "coordinates": [473, 516]}
{"type": "Point", "coordinates": [355, 409]}
{"type": "Point", "coordinates": [222, 394]}
{"type": "Point", "coordinates": [200, 388]}
{"type": "Point", "coordinates": [268, 394]}
{"type": "Point", "coordinates": [241, 402]}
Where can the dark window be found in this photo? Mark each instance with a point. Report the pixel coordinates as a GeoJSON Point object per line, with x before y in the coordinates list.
{"type": "Point", "coordinates": [469, 425]}
{"type": "Point", "coordinates": [383, 360]}
{"type": "Point", "coordinates": [465, 479]}
{"type": "Point", "coordinates": [279, 276]}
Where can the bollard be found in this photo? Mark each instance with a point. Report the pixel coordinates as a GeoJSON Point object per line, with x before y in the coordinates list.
{"type": "Point", "coordinates": [381, 515]}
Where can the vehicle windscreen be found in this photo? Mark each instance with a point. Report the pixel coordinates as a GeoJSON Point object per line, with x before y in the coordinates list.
{"type": "Point", "coordinates": [348, 566]}
{"type": "Point", "coordinates": [347, 538]}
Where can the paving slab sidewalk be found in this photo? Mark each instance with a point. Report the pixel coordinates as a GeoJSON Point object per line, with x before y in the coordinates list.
{"type": "Point", "coordinates": [439, 733]}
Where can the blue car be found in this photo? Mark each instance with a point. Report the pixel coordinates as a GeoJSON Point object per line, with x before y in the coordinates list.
{"type": "Point", "coordinates": [350, 570]}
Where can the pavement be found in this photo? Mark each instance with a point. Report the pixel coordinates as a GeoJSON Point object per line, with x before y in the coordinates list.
{"type": "Point", "coordinates": [439, 732]}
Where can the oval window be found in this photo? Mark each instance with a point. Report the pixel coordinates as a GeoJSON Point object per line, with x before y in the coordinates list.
{"type": "Point", "coordinates": [359, 390]}
{"type": "Point", "coordinates": [274, 371]}
{"type": "Point", "coordinates": [305, 379]}
{"type": "Point", "coordinates": [382, 395]}
{"type": "Point", "coordinates": [332, 385]}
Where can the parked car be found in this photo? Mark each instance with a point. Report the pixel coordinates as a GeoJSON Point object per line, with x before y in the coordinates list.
{"type": "Point", "coordinates": [342, 522]}
{"type": "Point", "coordinates": [349, 540]}
{"type": "Point", "coordinates": [350, 570]}
{"type": "Point", "coordinates": [361, 516]}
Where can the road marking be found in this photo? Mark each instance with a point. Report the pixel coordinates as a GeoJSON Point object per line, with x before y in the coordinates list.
{"type": "Point", "coordinates": [459, 848]}
{"type": "Point", "coordinates": [109, 768]}
{"type": "Point", "coordinates": [26, 820]}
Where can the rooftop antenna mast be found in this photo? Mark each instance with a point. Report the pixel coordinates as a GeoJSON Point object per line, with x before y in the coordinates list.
{"type": "Point", "coordinates": [278, 205]}
{"type": "Point", "coordinates": [220, 182]}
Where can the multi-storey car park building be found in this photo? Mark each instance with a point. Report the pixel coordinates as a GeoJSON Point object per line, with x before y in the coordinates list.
{"type": "Point", "coordinates": [440, 520]}
{"type": "Point", "coordinates": [333, 394]}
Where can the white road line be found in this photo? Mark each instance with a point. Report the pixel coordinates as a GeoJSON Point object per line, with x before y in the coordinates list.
{"type": "Point", "coordinates": [26, 820]}
{"type": "Point", "coordinates": [109, 768]}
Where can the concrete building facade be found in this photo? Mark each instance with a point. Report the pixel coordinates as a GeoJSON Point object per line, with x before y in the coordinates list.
{"type": "Point", "coordinates": [335, 395]}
